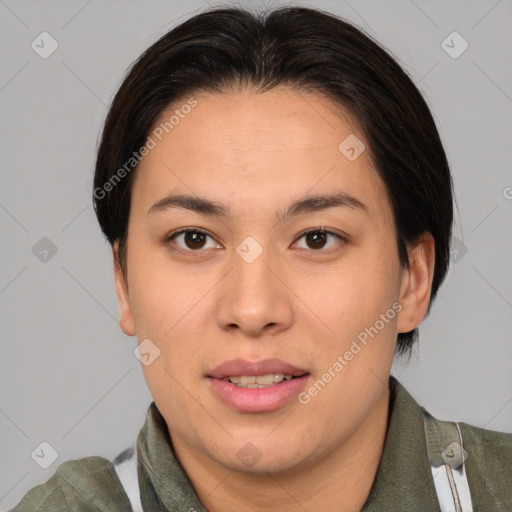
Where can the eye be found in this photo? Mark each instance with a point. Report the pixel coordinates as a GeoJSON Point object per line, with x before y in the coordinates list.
{"type": "Point", "coordinates": [192, 239]}
{"type": "Point", "coordinates": [318, 238]}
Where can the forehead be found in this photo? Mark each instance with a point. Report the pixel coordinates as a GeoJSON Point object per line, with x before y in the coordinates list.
{"type": "Point", "coordinates": [244, 146]}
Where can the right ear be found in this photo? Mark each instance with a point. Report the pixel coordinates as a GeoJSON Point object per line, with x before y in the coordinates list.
{"type": "Point", "coordinates": [125, 313]}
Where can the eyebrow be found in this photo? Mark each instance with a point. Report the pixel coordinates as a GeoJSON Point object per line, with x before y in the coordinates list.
{"type": "Point", "coordinates": [308, 204]}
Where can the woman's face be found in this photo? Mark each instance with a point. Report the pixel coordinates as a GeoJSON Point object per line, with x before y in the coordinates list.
{"type": "Point", "coordinates": [249, 293]}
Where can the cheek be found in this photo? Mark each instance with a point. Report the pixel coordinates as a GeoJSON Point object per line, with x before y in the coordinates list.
{"type": "Point", "coordinates": [172, 310]}
{"type": "Point", "coordinates": [160, 295]}
{"type": "Point", "coordinates": [349, 296]}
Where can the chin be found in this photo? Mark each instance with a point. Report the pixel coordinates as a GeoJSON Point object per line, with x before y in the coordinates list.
{"type": "Point", "coordinates": [260, 455]}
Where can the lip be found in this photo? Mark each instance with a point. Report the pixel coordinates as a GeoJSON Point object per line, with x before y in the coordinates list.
{"type": "Point", "coordinates": [237, 367]}
{"type": "Point", "coordinates": [256, 400]}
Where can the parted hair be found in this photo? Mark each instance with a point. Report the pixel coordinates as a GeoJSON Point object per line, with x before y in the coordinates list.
{"type": "Point", "coordinates": [309, 50]}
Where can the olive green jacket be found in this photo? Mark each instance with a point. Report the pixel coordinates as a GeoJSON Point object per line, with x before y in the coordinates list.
{"type": "Point", "coordinates": [404, 480]}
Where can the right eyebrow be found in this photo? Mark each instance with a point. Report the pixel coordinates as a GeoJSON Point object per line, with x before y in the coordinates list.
{"type": "Point", "coordinates": [193, 203]}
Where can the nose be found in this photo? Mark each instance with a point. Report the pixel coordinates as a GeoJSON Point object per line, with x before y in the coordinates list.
{"type": "Point", "coordinates": [254, 298]}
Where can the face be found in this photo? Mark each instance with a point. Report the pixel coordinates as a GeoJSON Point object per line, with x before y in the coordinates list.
{"type": "Point", "coordinates": [287, 279]}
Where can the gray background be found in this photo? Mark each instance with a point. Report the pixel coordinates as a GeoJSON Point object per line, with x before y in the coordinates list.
{"type": "Point", "coordinates": [68, 374]}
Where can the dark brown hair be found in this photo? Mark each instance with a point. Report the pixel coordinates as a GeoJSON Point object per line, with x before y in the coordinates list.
{"type": "Point", "coordinates": [309, 50]}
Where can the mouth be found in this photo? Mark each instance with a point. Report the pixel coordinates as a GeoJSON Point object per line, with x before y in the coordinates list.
{"type": "Point", "coordinates": [258, 381]}
{"type": "Point", "coordinates": [257, 386]}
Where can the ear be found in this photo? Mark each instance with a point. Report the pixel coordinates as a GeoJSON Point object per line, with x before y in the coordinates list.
{"type": "Point", "coordinates": [416, 284]}
{"type": "Point", "coordinates": [125, 313]}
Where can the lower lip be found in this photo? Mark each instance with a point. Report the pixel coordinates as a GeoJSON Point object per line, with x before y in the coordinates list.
{"type": "Point", "coordinates": [258, 399]}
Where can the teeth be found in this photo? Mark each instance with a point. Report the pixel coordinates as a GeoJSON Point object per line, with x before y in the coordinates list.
{"type": "Point", "coordinates": [260, 381]}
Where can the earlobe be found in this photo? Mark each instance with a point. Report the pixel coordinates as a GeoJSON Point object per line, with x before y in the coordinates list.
{"type": "Point", "coordinates": [126, 321]}
{"type": "Point", "coordinates": [416, 284]}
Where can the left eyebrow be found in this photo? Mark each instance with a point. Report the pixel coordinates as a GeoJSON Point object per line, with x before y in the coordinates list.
{"type": "Point", "coordinates": [302, 206]}
{"type": "Point", "coordinates": [315, 203]}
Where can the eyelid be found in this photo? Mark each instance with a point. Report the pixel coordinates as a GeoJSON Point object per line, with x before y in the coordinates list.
{"type": "Point", "coordinates": [186, 230]}
{"type": "Point", "coordinates": [321, 229]}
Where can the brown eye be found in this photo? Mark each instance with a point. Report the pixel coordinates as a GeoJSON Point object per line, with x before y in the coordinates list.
{"type": "Point", "coordinates": [318, 239]}
{"type": "Point", "coordinates": [192, 240]}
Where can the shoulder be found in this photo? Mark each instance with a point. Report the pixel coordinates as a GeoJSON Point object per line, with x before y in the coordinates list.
{"type": "Point", "coordinates": [87, 484]}
{"type": "Point", "coordinates": [494, 445]}
{"type": "Point", "coordinates": [489, 450]}
{"type": "Point", "coordinates": [487, 455]}
{"type": "Point", "coordinates": [489, 464]}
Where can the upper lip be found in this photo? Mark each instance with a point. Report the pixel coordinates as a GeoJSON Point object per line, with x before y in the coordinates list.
{"type": "Point", "coordinates": [237, 367]}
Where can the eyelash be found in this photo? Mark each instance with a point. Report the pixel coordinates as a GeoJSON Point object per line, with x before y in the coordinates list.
{"type": "Point", "coordinates": [169, 239]}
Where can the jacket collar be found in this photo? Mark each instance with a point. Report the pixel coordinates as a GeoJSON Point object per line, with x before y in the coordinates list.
{"type": "Point", "coordinates": [404, 478]}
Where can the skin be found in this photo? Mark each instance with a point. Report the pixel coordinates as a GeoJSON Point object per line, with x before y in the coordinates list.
{"type": "Point", "coordinates": [298, 302]}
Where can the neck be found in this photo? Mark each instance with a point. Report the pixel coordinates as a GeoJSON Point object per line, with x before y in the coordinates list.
{"type": "Point", "coordinates": [340, 481]}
